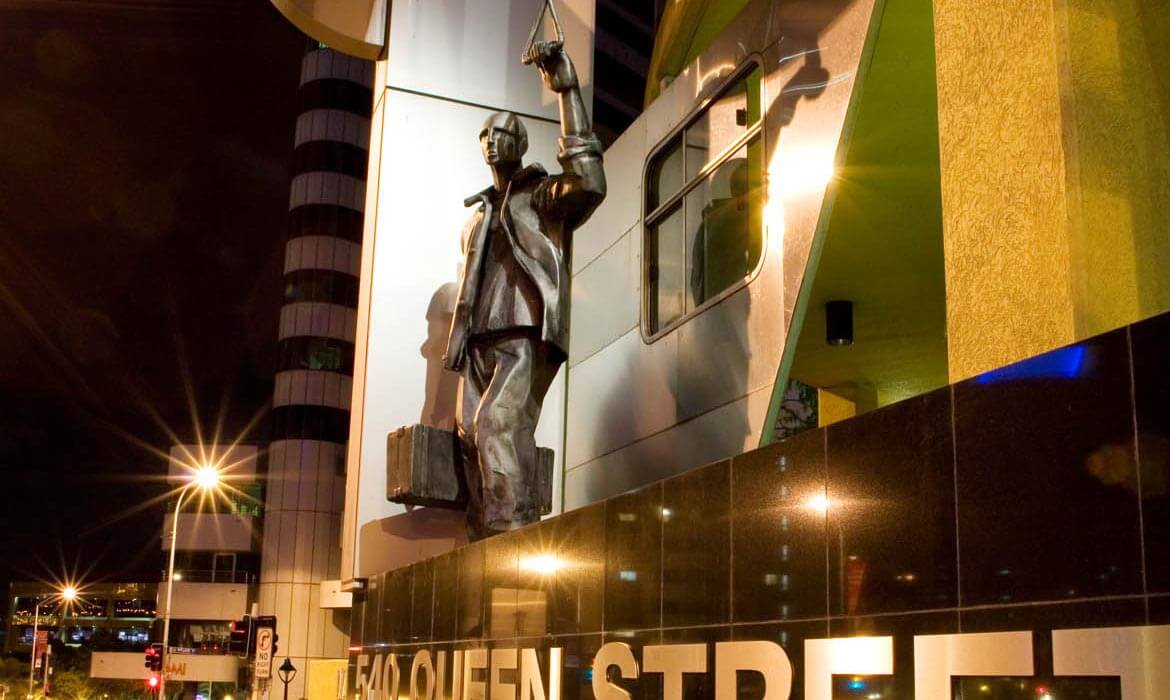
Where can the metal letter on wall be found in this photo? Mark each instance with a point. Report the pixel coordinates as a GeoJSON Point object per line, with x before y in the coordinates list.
{"type": "Point", "coordinates": [672, 661]}
{"type": "Point", "coordinates": [862, 656]}
{"type": "Point", "coordinates": [422, 662]}
{"type": "Point", "coordinates": [1140, 656]}
{"type": "Point", "coordinates": [474, 660]}
{"type": "Point", "coordinates": [391, 677]}
{"type": "Point", "coordinates": [502, 659]}
{"type": "Point", "coordinates": [531, 687]}
{"type": "Point", "coordinates": [613, 654]}
{"type": "Point", "coordinates": [766, 658]}
{"type": "Point", "coordinates": [938, 657]}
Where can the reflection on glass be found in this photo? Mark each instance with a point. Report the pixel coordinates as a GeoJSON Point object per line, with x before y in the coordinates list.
{"type": "Point", "coordinates": [704, 203]}
{"type": "Point", "coordinates": [1036, 688]}
{"type": "Point", "coordinates": [668, 270]}
{"type": "Point", "coordinates": [726, 119]}
{"type": "Point", "coordinates": [723, 222]}
{"type": "Point", "coordinates": [666, 175]}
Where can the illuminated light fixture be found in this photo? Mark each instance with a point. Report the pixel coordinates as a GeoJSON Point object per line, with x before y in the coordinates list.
{"type": "Point", "coordinates": [819, 503]}
{"type": "Point", "coordinates": [69, 593]}
{"type": "Point", "coordinates": [839, 322]}
{"type": "Point", "coordinates": [206, 477]}
{"type": "Point", "coordinates": [177, 576]}
{"type": "Point", "coordinates": [543, 564]}
{"type": "Point", "coordinates": [804, 171]}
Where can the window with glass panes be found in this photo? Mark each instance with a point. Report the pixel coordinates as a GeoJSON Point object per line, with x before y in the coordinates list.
{"type": "Point", "coordinates": [704, 204]}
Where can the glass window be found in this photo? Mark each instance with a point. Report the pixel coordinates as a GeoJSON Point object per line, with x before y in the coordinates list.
{"type": "Point", "coordinates": [704, 205]}
{"type": "Point", "coordinates": [134, 607]}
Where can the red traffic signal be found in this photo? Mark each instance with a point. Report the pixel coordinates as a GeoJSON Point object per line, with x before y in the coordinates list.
{"type": "Point", "coordinates": [240, 641]}
{"type": "Point", "coordinates": [152, 659]}
{"type": "Point", "coordinates": [152, 682]}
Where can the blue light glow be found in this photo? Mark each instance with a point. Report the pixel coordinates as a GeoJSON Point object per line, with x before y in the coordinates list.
{"type": "Point", "coordinates": [856, 684]}
{"type": "Point", "coordinates": [1065, 363]}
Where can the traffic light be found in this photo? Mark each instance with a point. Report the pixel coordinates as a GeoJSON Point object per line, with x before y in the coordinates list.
{"type": "Point", "coordinates": [152, 682]}
{"type": "Point", "coordinates": [153, 660]}
{"type": "Point", "coordinates": [275, 645]}
{"type": "Point", "coordinates": [240, 642]}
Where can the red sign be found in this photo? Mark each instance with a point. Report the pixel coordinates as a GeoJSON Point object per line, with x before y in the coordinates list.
{"type": "Point", "coordinates": [42, 647]}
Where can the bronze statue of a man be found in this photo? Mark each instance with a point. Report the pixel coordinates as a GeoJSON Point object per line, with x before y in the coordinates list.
{"type": "Point", "coordinates": [509, 332]}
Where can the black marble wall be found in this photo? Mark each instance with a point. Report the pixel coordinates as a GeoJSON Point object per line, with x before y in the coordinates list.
{"type": "Point", "coordinates": [1034, 497]}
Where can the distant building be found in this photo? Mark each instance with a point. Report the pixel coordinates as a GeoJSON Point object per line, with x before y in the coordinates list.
{"type": "Point", "coordinates": [217, 563]}
{"type": "Point", "coordinates": [107, 615]}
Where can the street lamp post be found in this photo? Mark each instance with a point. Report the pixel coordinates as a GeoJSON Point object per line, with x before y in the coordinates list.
{"type": "Point", "coordinates": [205, 478]}
{"type": "Point", "coordinates": [287, 672]}
{"type": "Point", "coordinates": [67, 595]}
{"type": "Point", "coordinates": [32, 662]}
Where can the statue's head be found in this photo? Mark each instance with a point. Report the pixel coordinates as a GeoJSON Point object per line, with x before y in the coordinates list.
{"type": "Point", "coordinates": [503, 138]}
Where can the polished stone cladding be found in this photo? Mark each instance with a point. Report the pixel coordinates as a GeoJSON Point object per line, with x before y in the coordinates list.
{"type": "Point", "coordinates": [1035, 497]}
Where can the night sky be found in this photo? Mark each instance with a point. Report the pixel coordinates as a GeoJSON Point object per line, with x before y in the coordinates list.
{"type": "Point", "coordinates": [145, 152]}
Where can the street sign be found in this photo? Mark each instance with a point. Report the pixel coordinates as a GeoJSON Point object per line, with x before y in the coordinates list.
{"type": "Point", "coordinates": [263, 658]}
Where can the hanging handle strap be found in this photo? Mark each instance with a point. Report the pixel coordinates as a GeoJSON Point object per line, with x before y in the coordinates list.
{"type": "Point", "coordinates": [551, 9]}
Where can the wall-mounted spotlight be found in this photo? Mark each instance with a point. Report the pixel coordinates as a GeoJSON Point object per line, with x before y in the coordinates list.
{"type": "Point", "coordinates": [839, 322]}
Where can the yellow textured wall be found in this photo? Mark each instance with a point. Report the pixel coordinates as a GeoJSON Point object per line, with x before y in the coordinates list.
{"type": "Point", "coordinates": [832, 408]}
{"type": "Point", "coordinates": [1054, 133]}
{"type": "Point", "coordinates": [1115, 60]}
{"type": "Point", "coordinates": [321, 683]}
{"type": "Point", "coordinates": [1005, 236]}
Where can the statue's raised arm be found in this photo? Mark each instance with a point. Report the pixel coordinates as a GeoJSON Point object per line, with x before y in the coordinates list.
{"type": "Point", "coordinates": [583, 183]}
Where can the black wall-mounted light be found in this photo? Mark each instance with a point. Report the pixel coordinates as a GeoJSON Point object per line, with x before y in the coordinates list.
{"type": "Point", "coordinates": [839, 322]}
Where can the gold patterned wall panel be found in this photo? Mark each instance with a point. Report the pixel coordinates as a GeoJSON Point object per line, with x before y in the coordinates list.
{"type": "Point", "coordinates": [1115, 75]}
{"type": "Point", "coordinates": [1009, 293]}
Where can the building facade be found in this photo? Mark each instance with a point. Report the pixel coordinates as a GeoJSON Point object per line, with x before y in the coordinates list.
{"type": "Point", "coordinates": [109, 615]}
{"type": "Point", "coordinates": [310, 416]}
{"type": "Point", "coordinates": [978, 492]}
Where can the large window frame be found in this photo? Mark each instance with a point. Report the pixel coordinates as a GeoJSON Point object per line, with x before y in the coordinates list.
{"type": "Point", "coordinates": [656, 212]}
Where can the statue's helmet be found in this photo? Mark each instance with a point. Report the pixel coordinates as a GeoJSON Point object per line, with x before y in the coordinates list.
{"type": "Point", "coordinates": [504, 138]}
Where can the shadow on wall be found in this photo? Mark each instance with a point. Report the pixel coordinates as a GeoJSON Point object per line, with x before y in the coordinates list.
{"type": "Point", "coordinates": [442, 384]}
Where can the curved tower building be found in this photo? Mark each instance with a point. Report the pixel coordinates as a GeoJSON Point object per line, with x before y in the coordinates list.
{"type": "Point", "coordinates": [310, 415]}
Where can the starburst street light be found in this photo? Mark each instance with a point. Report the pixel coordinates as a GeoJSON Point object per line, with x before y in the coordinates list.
{"type": "Point", "coordinates": [205, 479]}
{"type": "Point", "coordinates": [66, 595]}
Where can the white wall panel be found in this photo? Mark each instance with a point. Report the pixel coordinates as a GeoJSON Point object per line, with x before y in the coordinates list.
{"type": "Point", "coordinates": [205, 601]}
{"type": "Point", "coordinates": [306, 387]}
{"type": "Point", "coordinates": [321, 545]}
{"type": "Point", "coordinates": [471, 50]}
{"type": "Point", "coordinates": [287, 520]}
{"type": "Point", "coordinates": [314, 636]}
{"type": "Point", "coordinates": [318, 319]}
{"type": "Point", "coordinates": [332, 125]}
{"type": "Point", "coordinates": [625, 160]}
{"type": "Point", "coordinates": [605, 299]}
{"type": "Point", "coordinates": [708, 438]}
{"type": "Point", "coordinates": [302, 562]}
{"type": "Point", "coordinates": [300, 620]}
{"type": "Point", "coordinates": [322, 253]}
{"type": "Point", "coordinates": [225, 532]}
{"type": "Point", "coordinates": [324, 187]}
{"type": "Point", "coordinates": [621, 394]}
{"type": "Point", "coordinates": [320, 65]}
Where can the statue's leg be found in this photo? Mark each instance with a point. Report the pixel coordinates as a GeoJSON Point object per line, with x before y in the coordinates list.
{"type": "Point", "coordinates": [473, 380]}
{"type": "Point", "coordinates": [506, 426]}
